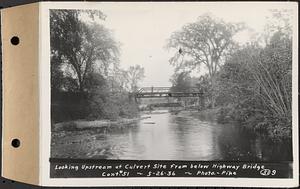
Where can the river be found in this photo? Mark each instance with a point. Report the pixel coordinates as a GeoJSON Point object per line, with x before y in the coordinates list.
{"type": "Point", "coordinates": [167, 136]}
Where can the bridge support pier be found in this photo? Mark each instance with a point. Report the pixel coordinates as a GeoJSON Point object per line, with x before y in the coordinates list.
{"type": "Point", "coordinates": [201, 102]}
{"type": "Point", "coordinates": [136, 100]}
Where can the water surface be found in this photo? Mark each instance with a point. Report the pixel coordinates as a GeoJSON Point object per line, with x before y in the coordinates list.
{"type": "Point", "coordinates": [170, 136]}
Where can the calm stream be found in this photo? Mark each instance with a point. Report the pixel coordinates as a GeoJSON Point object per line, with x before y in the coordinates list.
{"type": "Point", "coordinates": [166, 136]}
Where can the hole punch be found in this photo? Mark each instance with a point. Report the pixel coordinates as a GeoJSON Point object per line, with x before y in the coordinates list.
{"type": "Point", "coordinates": [15, 143]}
{"type": "Point", "coordinates": [15, 40]}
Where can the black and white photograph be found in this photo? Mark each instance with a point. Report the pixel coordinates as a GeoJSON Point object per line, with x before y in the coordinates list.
{"type": "Point", "coordinates": [172, 83]}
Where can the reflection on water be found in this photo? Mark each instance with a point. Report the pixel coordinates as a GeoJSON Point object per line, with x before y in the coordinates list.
{"type": "Point", "coordinates": [166, 136]}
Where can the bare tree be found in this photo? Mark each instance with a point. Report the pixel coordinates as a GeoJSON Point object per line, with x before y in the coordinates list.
{"type": "Point", "coordinates": [135, 74]}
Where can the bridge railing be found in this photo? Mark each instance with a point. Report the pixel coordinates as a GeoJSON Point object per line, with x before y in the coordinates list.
{"type": "Point", "coordinates": [154, 89]}
{"type": "Point", "coordinates": [165, 89]}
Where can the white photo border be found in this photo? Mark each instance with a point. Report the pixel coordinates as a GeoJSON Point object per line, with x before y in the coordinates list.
{"type": "Point", "coordinates": [45, 100]}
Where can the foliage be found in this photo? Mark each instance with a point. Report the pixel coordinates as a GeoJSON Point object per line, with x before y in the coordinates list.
{"type": "Point", "coordinates": [205, 86]}
{"type": "Point", "coordinates": [119, 80]}
{"type": "Point", "coordinates": [135, 74]}
{"type": "Point", "coordinates": [255, 87]}
{"type": "Point", "coordinates": [273, 74]}
{"type": "Point", "coordinates": [204, 42]}
{"type": "Point", "coordinates": [78, 44]}
{"type": "Point", "coordinates": [86, 80]}
{"type": "Point", "coordinates": [251, 84]}
{"type": "Point", "coordinates": [67, 106]}
{"type": "Point", "coordinates": [94, 82]}
{"type": "Point", "coordinates": [280, 21]}
{"type": "Point", "coordinates": [234, 80]}
{"type": "Point", "coordinates": [181, 82]}
{"type": "Point", "coordinates": [111, 106]}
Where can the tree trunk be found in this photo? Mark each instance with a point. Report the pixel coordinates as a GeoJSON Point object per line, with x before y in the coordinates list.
{"type": "Point", "coordinates": [80, 85]}
{"type": "Point", "coordinates": [213, 99]}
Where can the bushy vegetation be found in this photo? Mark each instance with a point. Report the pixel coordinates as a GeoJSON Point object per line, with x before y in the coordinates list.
{"type": "Point", "coordinates": [249, 84]}
{"type": "Point", "coordinates": [112, 106]}
{"type": "Point", "coordinates": [87, 81]}
{"type": "Point", "coordinates": [255, 87]}
{"type": "Point", "coordinates": [102, 104]}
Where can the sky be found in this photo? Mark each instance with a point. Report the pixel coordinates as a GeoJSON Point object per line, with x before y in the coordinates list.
{"type": "Point", "coordinates": [143, 30]}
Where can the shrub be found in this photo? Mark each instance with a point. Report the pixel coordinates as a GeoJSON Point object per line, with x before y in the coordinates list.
{"type": "Point", "coordinates": [255, 87]}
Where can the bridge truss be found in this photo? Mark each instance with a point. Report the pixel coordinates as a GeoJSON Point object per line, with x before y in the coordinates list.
{"type": "Point", "coordinates": [163, 92]}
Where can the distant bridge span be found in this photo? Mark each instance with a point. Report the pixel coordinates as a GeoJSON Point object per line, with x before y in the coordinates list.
{"type": "Point", "coordinates": [162, 92]}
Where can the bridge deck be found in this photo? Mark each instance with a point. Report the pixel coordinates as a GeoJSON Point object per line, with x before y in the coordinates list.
{"type": "Point", "coordinates": [167, 94]}
{"type": "Point", "coordinates": [161, 92]}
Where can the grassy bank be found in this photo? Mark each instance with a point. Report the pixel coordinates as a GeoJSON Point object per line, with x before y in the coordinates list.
{"type": "Point", "coordinates": [84, 124]}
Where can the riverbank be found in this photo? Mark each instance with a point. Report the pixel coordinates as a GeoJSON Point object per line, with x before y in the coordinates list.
{"type": "Point", "coordinates": [84, 124]}
{"type": "Point", "coordinates": [208, 114]}
{"type": "Point", "coordinates": [274, 129]}
{"type": "Point", "coordinates": [182, 136]}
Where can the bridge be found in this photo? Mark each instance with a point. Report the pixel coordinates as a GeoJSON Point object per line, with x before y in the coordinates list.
{"type": "Point", "coordinates": [162, 92]}
{"type": "Point", "coordinates": [166, 92]}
